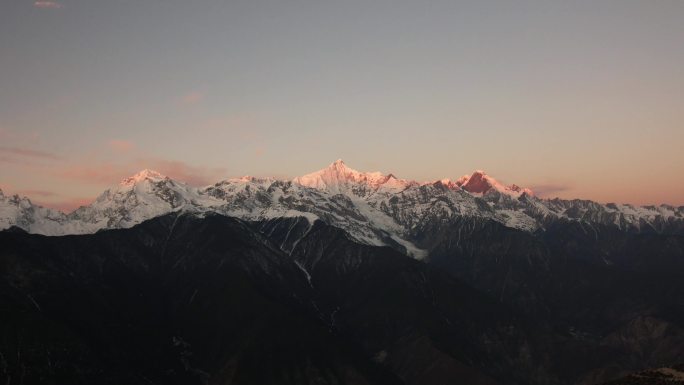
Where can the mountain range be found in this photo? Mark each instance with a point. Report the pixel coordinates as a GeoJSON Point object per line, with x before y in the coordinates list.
{"type": "Point", "coordinates": [373, 208]}
{"type": "Point", "coordinates": [339, 277]}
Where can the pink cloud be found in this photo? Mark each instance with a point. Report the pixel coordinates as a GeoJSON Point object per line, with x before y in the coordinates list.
{"type": "Point", "coordinates": [121, 146]}
{"type": "Point", "coordinates": [47, 4]}
{"type": "Point", "coordinates": [103, 173]}
{"type": "Point", "coordinates": [110, 173]}
{"type": "Point", "coordinates": [18, 138]}
{"type": "Point", "coordinates": [197, 176]}
{"type": "Point", "coordinates": [29, 153]}
{"type": "Point", "coordinates": [40, 193]}
{"type": "Point", "coordinates": [193, 97]}
{"type": "Point", "coordinates": [549, 190]}
{"type": "Point", "coordinates": [15, 161]}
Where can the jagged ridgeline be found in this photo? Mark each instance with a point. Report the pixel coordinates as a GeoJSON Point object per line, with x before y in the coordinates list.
{"type": "Point", "coordinates": [338, 277]}
{"type": "Point", "coordinates": [373, 208]}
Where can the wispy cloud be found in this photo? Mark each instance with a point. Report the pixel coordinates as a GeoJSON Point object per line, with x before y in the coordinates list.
{"type": "Point", "coordinates": [260, 151]}
{"type": "Point", "coordinates": [16, 161]}
{"type": "Point", "coordinates": [20, 138]}
{"type": "Point", "coordinates": [47, 4]}
{"type": "Point", "coordinates": [39, 193]}
{"type": "Point", "coordinates": [111, 173]}
{"type": "Point", "coordinates": [29, 153]}
{"type": "Point", "coordinates": [121, 146]}
{"type": "Point", "coordinates": [549, 190]}
{"type": "Point", "coordinates": [192, 97]}
{"type": "Point", "coordinates": [196, 176]}
{"type": "Point", "coordinates": [97, 173]}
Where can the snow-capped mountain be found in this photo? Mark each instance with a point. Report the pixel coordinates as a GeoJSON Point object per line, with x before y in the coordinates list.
{"type": "Point", "coordinates": [373, 208]}
{"type": "Point", "coordinates": [340, 179]}
{"type": "Point", "coordinates": [142, 196]}
{"type": "Point", "coordinates": [481, 183]}
{"type": "Point", "coordinates": [21, 212]}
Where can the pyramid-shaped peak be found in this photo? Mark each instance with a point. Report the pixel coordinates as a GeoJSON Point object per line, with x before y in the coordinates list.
{"type": "Point", "coordinates": [340, 178]}
{"type": "Point", "coordinates": [339, 169]}
{"type": "Point", "coordinates": [480, 183]}
{"type": "Point", "coordinates": [147, 173]}
{"type": "Point", "coordinates": [142, 175]}
{"type": "Point", "coordinates": [338, 164]}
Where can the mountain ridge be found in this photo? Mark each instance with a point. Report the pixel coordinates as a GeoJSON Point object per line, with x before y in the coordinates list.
{"type": "Point", "coordinates": [374, 208]}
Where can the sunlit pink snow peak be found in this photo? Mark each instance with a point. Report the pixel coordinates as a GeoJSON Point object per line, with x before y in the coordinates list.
{"type": "Point", "coordinates": [372, 207]}
{"type": "Point", "coordinates": [142, 175]}
{"type": "Point", "coordinates": [338, 175]}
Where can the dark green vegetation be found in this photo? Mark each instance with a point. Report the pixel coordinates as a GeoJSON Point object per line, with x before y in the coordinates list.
{"type": "Point", "coordinates": [187, 300]}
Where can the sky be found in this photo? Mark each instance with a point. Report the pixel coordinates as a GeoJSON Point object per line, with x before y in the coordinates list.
{"type": "Point", "coordinates": [581, 99]}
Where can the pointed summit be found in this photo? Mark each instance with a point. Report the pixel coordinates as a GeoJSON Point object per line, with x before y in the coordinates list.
{"type": "Point", "coordinates": [339, 165]}
{"type": "Point", "coordinates": [329, 178]}
{"type": "Point", "coordinates": [340, 178]}
{"type": "Point", "coordinates": [481, 183]}
{"type": "Point", "coordinates": [145, 174]}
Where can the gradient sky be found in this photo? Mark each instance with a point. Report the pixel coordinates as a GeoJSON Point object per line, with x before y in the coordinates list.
{"type": "Point", "coordinates": [577, 99]}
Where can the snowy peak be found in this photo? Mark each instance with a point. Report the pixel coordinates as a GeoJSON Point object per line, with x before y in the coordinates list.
{"type": "Point", "coordinates": [21, 212]}
{"type": "Point", "coordinates": [142, 196]}
{"type": "Point", "coordinates": [339, 165]}
{"type": "Point", "coordinates": [374, 208]}
{"type": "Point", "coordinates": [149, 187]}
{"type": "Point", "coordinates": [480, 183]}
{"type": "Point", "coordinates": [143, 175]}
{"type": "Point", "coordinates": [462, 180]}
{"type": "Point", "coordinates": [338, 178]}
